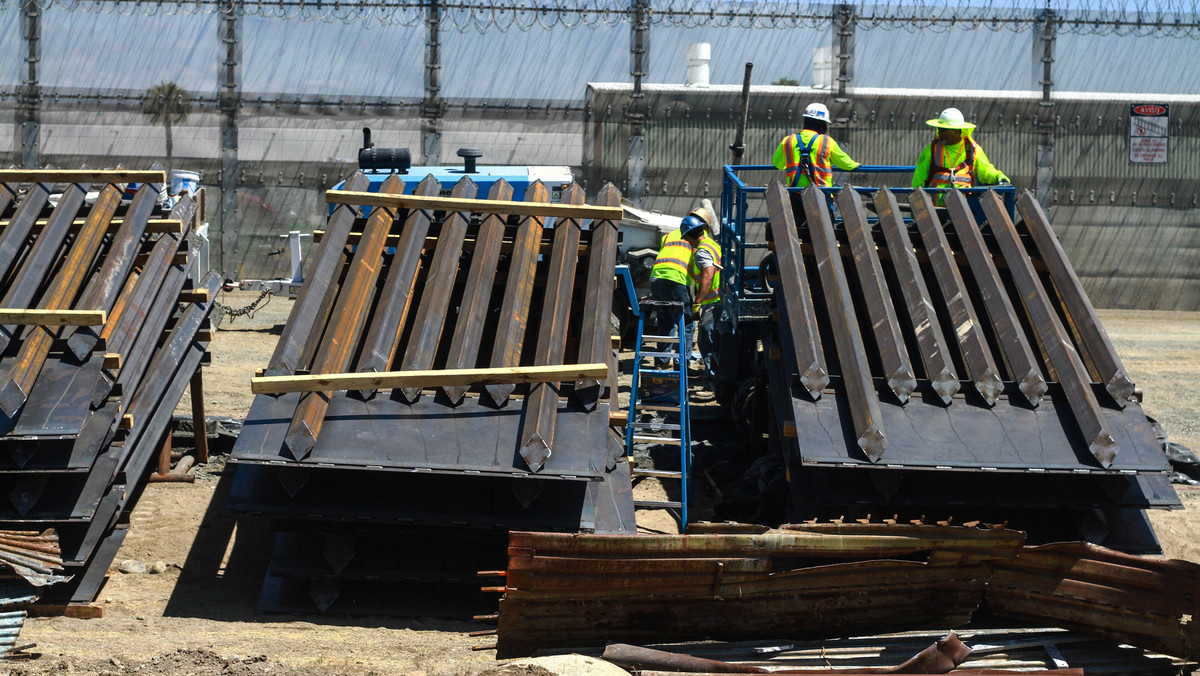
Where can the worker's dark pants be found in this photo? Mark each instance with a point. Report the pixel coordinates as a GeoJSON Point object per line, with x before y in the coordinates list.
{"type": "Point", "coordinates": [707, 339]}
{"type": "Point", "coordinates": [666, 318]}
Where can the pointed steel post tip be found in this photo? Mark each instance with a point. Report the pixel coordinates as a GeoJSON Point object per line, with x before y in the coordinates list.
{"type": "Point", "coordinates": [410, 395]}
{"type": "Point", "coordinates": [990, 386]}
{"type": "Point", "coordinates": [873, 442]}
{"type": "Point", "coordinates": [587, 393]}
{"type": "Point", "coordinates": [12, 398]}
{"type": "Point", "coordinates": [903, 382]}
{"type": "Point", "coordinates": [500, 393]}
{"type": "Point", "coordinates": [81, 344]}
{"type": "Point", "coordinates": [20, 455]}
{"type": "Point", "coordinates": [1034, 387]}
{"type": "Point", "coordinates": [1120, 387]}
{"type": "Point", "coordinates": [300, 442]}
{"type": "Point", "coordinates": [455, 394]}
{"type": "Point", "coordinates": [1104, 448]}
{"type": "Point", "coordinates": [365, 395]}
{"type": "Point", "coordinates": [535, 452]}
{"type": "Point", "coordinates": [946, 385]}
{"type": "Point", "coordinates": [815, 380]}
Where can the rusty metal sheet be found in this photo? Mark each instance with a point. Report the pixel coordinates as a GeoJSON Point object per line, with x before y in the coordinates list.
{"type": "Point", "coordinates": [1014, 345]}
{"type": "Point", "coordinates": [794, 298]}
{"type": "Point", "coordinates": [972, 345]}
{"type": "Point", "coordinates": [1149, 603]}
{"type": "Point", "coordinates": [921, 316]}
{"type": "Point", "coordinates": [477, 294]}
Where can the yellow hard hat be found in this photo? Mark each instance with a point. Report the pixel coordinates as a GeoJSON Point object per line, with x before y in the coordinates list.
{"type": "Point", "coordinates": [951, 118]}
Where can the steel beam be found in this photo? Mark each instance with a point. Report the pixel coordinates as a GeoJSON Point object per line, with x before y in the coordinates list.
{"type": "Point", "coordinates": [1096, 343]}
{"type": "Point", "coordinates": [102, 291]}
{"type": "Point", "coordinates": [889, 341]}
{"type": "Point", "coordinates": [12, 238]}
{"type": "Point", "coordinates": [7, 192]}
{"type": "Point", "coordinates": [307, 319]}
{"type": "Point", "coordinates": [439, 284]}
{"type": "Point", "coordinates": [852, 355]}
{"type": "Point", "coordinates": [541, 406]}
{"type": "Point", "coordinates": [1014, 345]}
{"type": "Point", "coordinates": [122, 328]}
{"type": "Point", "coordinates": [477, 296]}
{"type": "Point", "coordinates": [345, 326]}
{"type": "Point", "coordinates": [396, 296]}
{"type": "Point", "coordinates": [796, 304]}
{"type": "Point", "coordinates": [1072, 375]}
{"type": "Point", "coordinates": [36, 342]}
{"type": "Point", "coordinates": [935, 357]}
{"type": "Point", "coordinates": [972, 344]}
{"type": "Point", "coordinates": [595, 340]}
{"type": "Point", "coordinates": [518, 293]}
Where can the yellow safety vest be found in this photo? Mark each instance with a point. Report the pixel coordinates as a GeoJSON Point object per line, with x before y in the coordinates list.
{"type": "Point", "coordinates": [709, 244]}
{"type": "Point", "coordinates": [675, 259]}
{"type": "Point", "coordinates": [796, 151]}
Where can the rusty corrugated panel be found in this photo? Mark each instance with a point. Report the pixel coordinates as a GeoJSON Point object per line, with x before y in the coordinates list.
{"type": "Point", "coordinates": [1147, 602]}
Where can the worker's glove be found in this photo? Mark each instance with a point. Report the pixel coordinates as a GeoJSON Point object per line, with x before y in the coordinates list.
{"type": "Point", "coordinates": [1004, 181]}
{"type": "Point", "coordinates": [695, 311]}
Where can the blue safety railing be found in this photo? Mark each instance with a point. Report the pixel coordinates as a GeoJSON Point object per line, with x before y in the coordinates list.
{"type": "Point", "coordinates": [739, 281]}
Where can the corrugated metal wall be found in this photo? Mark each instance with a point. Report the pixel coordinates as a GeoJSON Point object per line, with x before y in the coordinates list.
{"type": "Point", "coordinates": [1132, 231]}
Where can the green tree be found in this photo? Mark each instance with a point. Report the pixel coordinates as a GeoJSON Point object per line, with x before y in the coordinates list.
{"type": "Point", "coordinates": [167, 104]}
{"type": "Point", "coordinates": [786, 82]}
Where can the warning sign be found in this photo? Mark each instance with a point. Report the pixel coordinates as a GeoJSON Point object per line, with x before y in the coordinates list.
{"type": "Point", "coordinates": [1148, 131]}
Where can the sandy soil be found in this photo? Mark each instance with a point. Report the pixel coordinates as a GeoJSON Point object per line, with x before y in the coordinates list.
{"type": "Point", "coordinates": [198, 617]}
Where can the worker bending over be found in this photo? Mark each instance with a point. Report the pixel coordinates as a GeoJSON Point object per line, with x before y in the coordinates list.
{"type": "Point", "coordinates": [671, 279]}
{"type": "Point", "coordinates": [708, 298]}
{"type": "Point", "coordinates": [953, 159]}
{"type": "Point", "coordinates": [810, 156]}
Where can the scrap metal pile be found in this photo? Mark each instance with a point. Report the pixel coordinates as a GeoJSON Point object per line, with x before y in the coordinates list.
{"type": "Point", "coordinates": [446, 374]}
{"type": "Point", "coordinates": [946, 361]}
{"type": "Point", "coordinates": [29, 561]}
{"type": "Point", "coordinates": [831, 579]}
{"type": "Point", "coordinates": [100, 333]}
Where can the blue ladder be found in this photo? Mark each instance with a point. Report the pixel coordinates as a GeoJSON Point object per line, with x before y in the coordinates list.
{"type": "Point", "coordinates": [636, 432]}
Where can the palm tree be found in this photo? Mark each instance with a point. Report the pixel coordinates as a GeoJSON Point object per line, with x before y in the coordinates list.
{"type": "Point", "coordinates": [167, 103]}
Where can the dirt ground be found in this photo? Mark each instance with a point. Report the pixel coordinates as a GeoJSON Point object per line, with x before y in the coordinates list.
{"type": "Point", "coordinates": [198, 617]}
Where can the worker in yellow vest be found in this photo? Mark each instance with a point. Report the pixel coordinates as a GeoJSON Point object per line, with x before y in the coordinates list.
{"type": "Point", "coordinates": [953, 159]}
{"type": "Point", "coordinates": [810, 156]}
{"type": "Point", "coordinates": [671, 280]}
{"type": "Point", "coordinates": [708, 305]}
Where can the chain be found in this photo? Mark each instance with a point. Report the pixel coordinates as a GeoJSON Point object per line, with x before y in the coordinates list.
{"type": "Point", "coordinates": [246, 311]}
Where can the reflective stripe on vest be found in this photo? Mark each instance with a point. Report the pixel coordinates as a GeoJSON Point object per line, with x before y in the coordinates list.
{"type": "Point", "coordinates": [822, 169]}
{"type": "Point", "coordinates": [961, 176]}
{"type": "Point", "coordinates": [675, 259]}
{"type": "Point", "coordinates": [710, 245]}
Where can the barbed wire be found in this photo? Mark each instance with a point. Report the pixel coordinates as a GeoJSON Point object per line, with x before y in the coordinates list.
{"type": "Point", "coordinates": [1173, 18]}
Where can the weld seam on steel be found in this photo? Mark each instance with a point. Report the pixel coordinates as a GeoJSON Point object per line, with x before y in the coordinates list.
{"type": "Point", "coordinates": [315, 298]}
{"type": "Point", "coordinates": [977, 358]}
{"type": "Point", "coordinates": [852, 354]}
{"type": "Point", "coordinates": [794, 295]}
{"type": "Point", "coordinates": [1014, 345]}
{"type": "Point", "coordinates": [881, 313]}
{"type": "Point", "coordinates": [1096, 342]}
{"type": "Point", "coordinates": [481, 279]}
{"type": "Point", "coordinates": [1066, 361]}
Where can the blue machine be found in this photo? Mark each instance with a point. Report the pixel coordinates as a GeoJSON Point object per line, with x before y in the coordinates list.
{"type": "Point", "coordinates": [377, 164]}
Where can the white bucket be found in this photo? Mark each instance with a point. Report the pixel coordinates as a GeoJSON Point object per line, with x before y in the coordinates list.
{"type": "Point", "coordinates": [184, 181]}
{"type": "Point", "coordinates": [698, 55]}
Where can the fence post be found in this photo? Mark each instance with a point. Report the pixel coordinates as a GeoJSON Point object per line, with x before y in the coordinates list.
{"type": "Point", "coordinates": [639, 49]}
{"type": "Point", "coordinates": [431, 106]}
{"type": "Point", "coordinates": [229, 100]}
{"type": "Point", "coordinates": [29, 95]}
{"type": "Point", "coordinates": [1043, 55]}
{"type": "Point", "coordinates": [845, 23]}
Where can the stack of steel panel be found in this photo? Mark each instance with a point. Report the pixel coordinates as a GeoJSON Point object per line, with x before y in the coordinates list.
{"type": "Point", "coordinates": [951, 363]}
{"type": "Point", "coordinates": [96, 349]}
{"type": "Point", "coordinates": [35, 561]}
{"type": "Point", "coordinates": [407, 418]}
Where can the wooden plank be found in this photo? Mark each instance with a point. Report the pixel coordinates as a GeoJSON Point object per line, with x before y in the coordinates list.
{"type": "Point", "coordinates": [477, 206]}
{"type": "Point", "coordinates": [112, 361]}
{"type": "Point", "coordinates": [78, 611]}
{"type": "Point", "coordinates": [194, 296]}
{"type": "Point", "coordinates": [29, 317]}
{"type": "Point", "coordinates": [154, 226]}
{"type": "Point", "coordinates": [81, 176]}
{"type": "Point", "coordinates": [331, 382]}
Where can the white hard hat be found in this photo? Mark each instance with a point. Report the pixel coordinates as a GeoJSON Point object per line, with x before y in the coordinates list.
{"type": "Point", "coordinates": [951, 118]}
{"type": "Point", "coordinates": [817, 111]}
